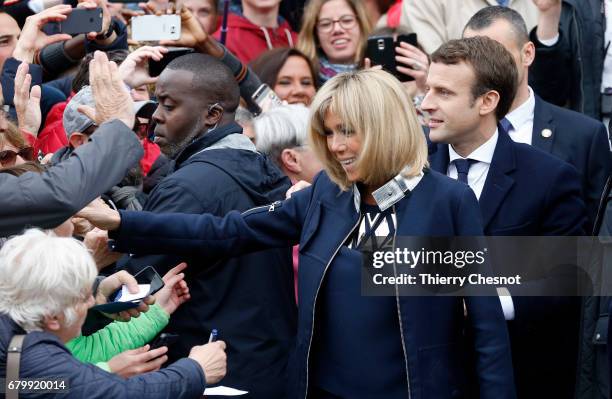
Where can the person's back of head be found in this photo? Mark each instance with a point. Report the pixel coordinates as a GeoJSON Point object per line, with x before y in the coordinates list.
{"type": "Point", "coordinates": [281, 127]}
{"type": "Point", "coordinates": [43, 276]}
{"type": "Point", "coordinates": [487, 16]}
{"type": "Point", "coordinates": [212, 79]}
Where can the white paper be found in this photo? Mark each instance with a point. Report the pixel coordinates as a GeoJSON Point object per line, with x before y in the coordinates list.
{"type": "Point", "coordinates": [125, 296]}
{"type": "Point", "coordinates": [223, 391]}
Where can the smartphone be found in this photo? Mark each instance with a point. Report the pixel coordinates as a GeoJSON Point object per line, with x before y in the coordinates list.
{"type": "Point", "coordinates": [266, 98]}
{"type": "Point", "coordinates": [164, 339]}
{"type": "Point", "coordinates": [156, 27]}
{"type": "Point", "coordinates": [81, 20]}
{"type": "Point", "coordinates": [381, 51]}
{"type": "Point", "coordinates": [149, 276]}
{"type": "Point", "coordinates": [156, 67]}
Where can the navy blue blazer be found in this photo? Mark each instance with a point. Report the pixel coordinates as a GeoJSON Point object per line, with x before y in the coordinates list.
{"type": "Point", "coordinates": [531, 193]}
{"type": "Point", "coordinates": [526, 192]}
{"type": "Point", "coordinates": [320, 218]}
{"type": "Point", "coordinates": [580, 141]}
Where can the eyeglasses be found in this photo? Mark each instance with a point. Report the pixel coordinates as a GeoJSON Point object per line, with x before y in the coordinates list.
{"type": "Point", "coordinates": [8, 157]}
{"type": "Point", "coordinates": [326, 25]}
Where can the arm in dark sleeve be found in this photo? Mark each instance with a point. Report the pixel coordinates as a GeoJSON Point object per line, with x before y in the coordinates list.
{"type": "Point", "coordinates": [209, 237]}
{"type": "Point", "coordinates": [182, 380]}
{"type": "Point", "coordinates": [48, 199]}
{"type": "Point", "coordinates": [249, 82]}
{"type": "Point", "coordinates": [551, 75]}
{"type": "Point", "coordinates": [120, 42]}
{"type": "Point", "coordinates": [564, 213]}
{"type": "Point", "coordinates": [168, 197]}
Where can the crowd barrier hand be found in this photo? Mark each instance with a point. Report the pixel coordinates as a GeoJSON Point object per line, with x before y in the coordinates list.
{"type": "Point", "coordinates": [138, 361]}
{"type": "Point", "coordinates": [134, 69]}
{"type": "Point", "coordinates": [26, 101]}
{"type": "Point", "coordinates": [212, 359]}
{"type": "Point", "coordinates": [32, 39]}
{"type": "Point", "coordinates": [113, 101]}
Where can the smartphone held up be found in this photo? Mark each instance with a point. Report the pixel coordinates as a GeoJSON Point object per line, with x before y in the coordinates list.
{"type": "Point", "coordinates": [156, 27]}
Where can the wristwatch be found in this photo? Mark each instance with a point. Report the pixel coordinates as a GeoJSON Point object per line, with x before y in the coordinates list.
{"type": "Point", "coordinates": [109, 32]}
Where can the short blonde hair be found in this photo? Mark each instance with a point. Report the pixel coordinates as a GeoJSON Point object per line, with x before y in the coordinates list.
{"type": "Point", "coordinates": [308, 41]}
{"type": "Point", "coordinates": [374, 105]}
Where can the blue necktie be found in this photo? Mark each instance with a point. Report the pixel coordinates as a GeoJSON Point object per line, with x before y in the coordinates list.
{"type": "Point", "coordinates": [503, 3]}
{"type": "Point", "coordinates": [506, 125]}
{"type": "Point", "coordinates": [463, 167]}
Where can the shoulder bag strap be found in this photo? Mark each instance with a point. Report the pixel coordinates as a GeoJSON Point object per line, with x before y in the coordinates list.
{"type": "Point", "coordinates": [12, 364]}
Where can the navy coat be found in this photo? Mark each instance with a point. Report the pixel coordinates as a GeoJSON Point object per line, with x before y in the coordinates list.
{"type": "Point", "coordinates": [44, 356]}
{"type": "Point", "coordinates": [580, 141]}
{"type": "Point", "coordinates": [320, 218]}
{"type": "Point", "coordinates": [531, 193]}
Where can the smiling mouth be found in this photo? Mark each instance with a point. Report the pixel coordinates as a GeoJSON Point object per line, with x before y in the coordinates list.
{"type": "Point", "coordinates": [339, 42]}
{"type": "Point", "coordinates": [347, 162]}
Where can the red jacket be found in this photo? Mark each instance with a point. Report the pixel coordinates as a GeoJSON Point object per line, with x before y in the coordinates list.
{"type": "Point", "coordinates": [247, 40]}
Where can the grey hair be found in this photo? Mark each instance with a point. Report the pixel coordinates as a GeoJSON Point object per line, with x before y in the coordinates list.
{"type": "Point", "coordinates": [488, 15]}
{"type": "Point", "coordinates": [282, 127]}
{"type": "Point", "coordinates": [43, 275]}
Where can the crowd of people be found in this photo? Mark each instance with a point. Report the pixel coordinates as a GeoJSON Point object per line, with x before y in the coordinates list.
{"type": "Point", "coordinates": [253, 174]}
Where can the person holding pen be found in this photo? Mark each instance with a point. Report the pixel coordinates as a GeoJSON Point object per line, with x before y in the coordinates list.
{"type": "Point", "coordinates": [365, 131]}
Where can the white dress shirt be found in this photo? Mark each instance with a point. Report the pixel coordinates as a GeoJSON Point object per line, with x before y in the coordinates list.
{"type": "Point", "coordinates": [477, 175]}
{"type": "Point", "coordinates": [522, 121]}
{"type": "Point", "coordinates": [479, 170]}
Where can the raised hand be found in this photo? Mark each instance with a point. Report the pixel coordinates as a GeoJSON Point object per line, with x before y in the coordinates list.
{"type": "Point", "coordinates": [133, 69]}
{"type": "Point", "coordinates": [26, 101]}
{"type": "Point", "coordinates": [33, 39]}
{"type": "Point", "coordinates": [413, 62]}
{"type": "Point", "coordinates": [113, 101]}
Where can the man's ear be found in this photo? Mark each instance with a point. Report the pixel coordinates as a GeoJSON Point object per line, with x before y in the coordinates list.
{"type": "Point", "coordinates": [52, 323]}
{"type": "Point", "coordinates": [290, 160]}
{"type": "Point", "coordinates": [528, 54]}
{"type": "Point", "coordinates": [215, 113]}
{"type": "Point", "coordinates": [489, 102]}
{"type": "Point", "coordinates": [77, 139]}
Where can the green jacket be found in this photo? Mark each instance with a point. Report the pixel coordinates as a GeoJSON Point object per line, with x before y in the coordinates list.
{"type": "Point", "coordinates": [119, 337]}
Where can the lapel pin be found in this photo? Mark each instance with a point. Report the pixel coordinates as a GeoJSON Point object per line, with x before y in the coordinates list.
{"type": "Point", "coordinates": [546, 133]}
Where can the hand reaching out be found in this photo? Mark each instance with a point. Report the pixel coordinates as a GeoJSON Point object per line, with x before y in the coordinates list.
{"type": "Point", "coordinates": [138, 361]}
{"type": "Point", "coordinates": [175, 291]}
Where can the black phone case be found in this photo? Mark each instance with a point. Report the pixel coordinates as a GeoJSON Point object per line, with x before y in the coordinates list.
{"type": "Point", "coordinates": [156, 67]}
{"type": "Point", "coordinates": [148, 275]}
{"type": "Point", "coordinates": [381, 51]}
{"type": "Point", "coordinates": [81, 20]}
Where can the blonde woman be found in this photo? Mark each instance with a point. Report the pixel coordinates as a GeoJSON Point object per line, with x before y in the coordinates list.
{"type": "Point", "coordinates": [364, 130]}
{"type": "Point", "coordinates": [334, 35]}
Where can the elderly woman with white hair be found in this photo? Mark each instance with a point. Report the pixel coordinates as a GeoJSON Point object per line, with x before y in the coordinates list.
{"type": "Point", "coordinates": [282, 134]}
{"type": "Point", "coordinates": [45, 292]}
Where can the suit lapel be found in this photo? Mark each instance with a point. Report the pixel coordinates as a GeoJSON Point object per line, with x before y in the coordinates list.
{"type": "Point", "coordinates": [498, 183]}
{"type": "Point", "coordinates": [438, 157]}
{"type": "Point", "coordinates": [542, 126]}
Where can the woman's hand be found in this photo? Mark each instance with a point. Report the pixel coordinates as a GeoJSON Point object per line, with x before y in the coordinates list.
{"type": "Point", "coordinates": [138, 361]}
{"type": "Point", "coordinates": [27, 102]}
{"type": "Point", "coordinates": [114, 282]}
{"type": "Point", "coordinates": [413, 62]}
{"type": "Point", "coordinates": [175, 291]}
{"type": "Point", "coordinates": [96, 241]}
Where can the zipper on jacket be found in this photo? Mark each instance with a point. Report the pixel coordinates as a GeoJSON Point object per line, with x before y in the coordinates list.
{"type": "Point", "coordinates": [268, 208]}
{"type": "Point", "coordinates": [399, 314]}
{"type": "Point", "coordinates": [314, 306]}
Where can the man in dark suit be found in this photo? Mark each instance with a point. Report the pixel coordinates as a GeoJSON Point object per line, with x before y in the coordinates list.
{"type": "Point", "coordinates": [521, 189]}
{"type": "Point", "coordinates": [575, 138]}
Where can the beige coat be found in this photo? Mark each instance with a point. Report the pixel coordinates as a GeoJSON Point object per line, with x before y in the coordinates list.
{"type": "Point", "coordinates": [436, 21]}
